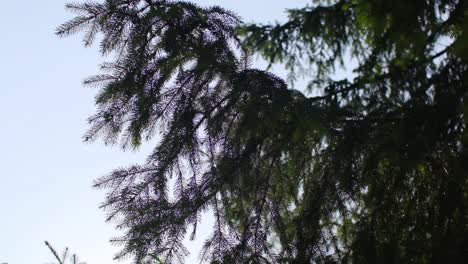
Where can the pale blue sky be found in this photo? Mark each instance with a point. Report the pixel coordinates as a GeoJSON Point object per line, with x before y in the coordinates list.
{"type": "Point", "coordinates": [45, 169]}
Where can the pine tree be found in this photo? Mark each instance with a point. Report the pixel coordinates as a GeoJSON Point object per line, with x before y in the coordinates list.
{"type": "Point", "coordinates": [373, 169]}
{"type": "Point", "coordinates": [64, 257]}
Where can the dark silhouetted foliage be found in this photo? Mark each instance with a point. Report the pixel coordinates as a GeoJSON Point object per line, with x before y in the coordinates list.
{"type": "Point", "coordinates": [369, 169]}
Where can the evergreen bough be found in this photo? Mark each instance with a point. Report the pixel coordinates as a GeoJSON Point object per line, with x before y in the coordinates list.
{"type": "Point", "coordinates": [369, 169]}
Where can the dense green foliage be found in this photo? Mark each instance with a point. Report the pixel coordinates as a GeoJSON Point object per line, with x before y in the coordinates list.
{"type": "Point", "coordinates": [372, 170]}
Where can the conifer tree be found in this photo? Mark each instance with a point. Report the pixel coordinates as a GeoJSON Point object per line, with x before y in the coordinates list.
{"type": "Point", "coordinates": [373, 169]}
{"type": "Point", "coordinates": [64, 257]}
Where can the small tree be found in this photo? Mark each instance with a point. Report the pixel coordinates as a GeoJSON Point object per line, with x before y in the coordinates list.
{"type": "Point", "coordinates": [62, 259]}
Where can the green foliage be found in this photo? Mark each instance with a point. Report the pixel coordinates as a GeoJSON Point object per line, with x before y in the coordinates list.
{"type": "Point", "coordinates": [373, 170]}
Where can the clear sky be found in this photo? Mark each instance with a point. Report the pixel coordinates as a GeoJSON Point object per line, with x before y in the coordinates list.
{"type": "Point", "coordinates": [46, 171]}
